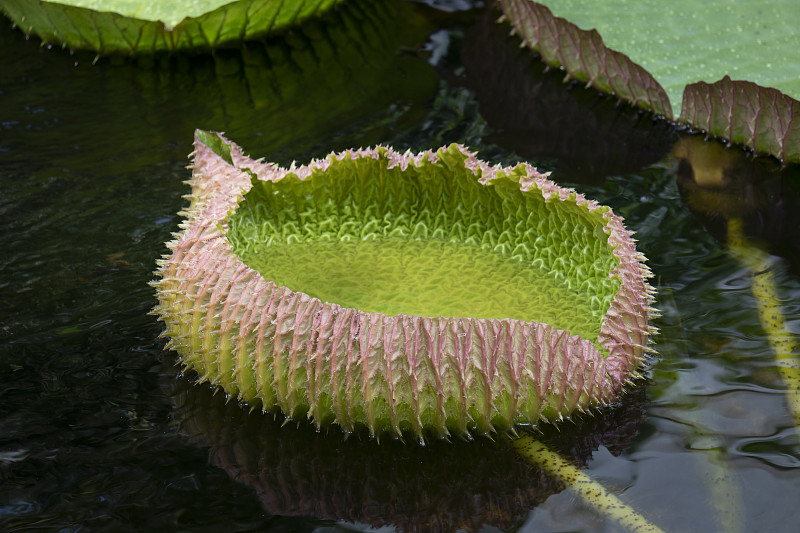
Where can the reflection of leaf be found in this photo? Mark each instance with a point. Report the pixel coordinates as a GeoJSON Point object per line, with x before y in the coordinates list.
{"type": "Point", "coordinates": [303, 92]}
{"type": "Point", "coordinates": [718, 183]}
{"type": "Point", "coordinates": [528, 107]}
{"type": "Point", "coordinates": [296, 470]}
{"type": "Point", "coordinates": [109, 27]}
{"type": "Point", "coordinates": [759, 117]}
{"type": "Point", "coordinates": [584, 56]}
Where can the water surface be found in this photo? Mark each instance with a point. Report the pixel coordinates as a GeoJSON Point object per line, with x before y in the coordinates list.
{"type": "Point", "coordinates": [98, 433]}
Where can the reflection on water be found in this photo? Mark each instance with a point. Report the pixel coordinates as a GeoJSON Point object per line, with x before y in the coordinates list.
{"type": "Point", "coordinates": [719, 183]}
{"type": "Point", "coordinates": [91, 164]}
{"type": "Point", "coordinates": [442, 486]}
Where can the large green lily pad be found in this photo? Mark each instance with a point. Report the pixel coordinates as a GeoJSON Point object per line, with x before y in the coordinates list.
{"type": "Point", "coordinates": [727, 67]}
{"type": "Point", "coordinates": [137, 27]}
{"type": "Point", "coordinates": [682, 41]}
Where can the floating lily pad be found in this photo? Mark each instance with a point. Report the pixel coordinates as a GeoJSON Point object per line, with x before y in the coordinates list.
{"type": "Point", "coordinates": [583, 55]}
{"type": "Point", "coordinates": [405, 293]}
{"type": "Point", "coordinates": [684, 42]}
{"type": "Point", "coordinates": [527, 105]}
{"type": "Point", "coordinates": [135, 27]}
{"type": "Point", "coordinates": [631, 50]}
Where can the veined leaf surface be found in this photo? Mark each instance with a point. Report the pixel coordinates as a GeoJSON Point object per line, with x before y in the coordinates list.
{"type": "Point", "coordinates": [683, 41]}
{"type": "Point", "coordinates": [134, 27]}
{"type": "Point", "coordinates": [728, 68]}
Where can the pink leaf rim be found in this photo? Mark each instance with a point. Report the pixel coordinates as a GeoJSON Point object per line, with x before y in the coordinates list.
{"type": "Point", "coordinates": [761, 118]}
{"type": "Point", "coordinates": [267, 344]}
{"type": "Point", "coordinates": [584, 56]}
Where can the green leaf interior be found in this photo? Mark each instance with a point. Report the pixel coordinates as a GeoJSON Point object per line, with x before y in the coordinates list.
{"type": "Point", "coordinates": [429, 241]}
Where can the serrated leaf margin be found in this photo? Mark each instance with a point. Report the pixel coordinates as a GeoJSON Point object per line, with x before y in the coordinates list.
{"type": "Point", "coordinates": [286, 350]}
{"type": "Point", "coordinates": [109, 33]}
{"type": "Point", "coordinates": [762, 118]}
{"type": "Point", "coordinates": [584, 56]}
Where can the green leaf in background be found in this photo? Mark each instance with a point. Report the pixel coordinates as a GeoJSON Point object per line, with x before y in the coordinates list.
{"type": "Point", "coordinates": [170, 13]}
{"type": "Point", "coordinates": [527, 104]}
{"type": "Point", "coordinates": [137, 27]}
{"type": "Point", "coordinates": [686, 46]}
{"type": "Point", "coordinates": [333, 77]}
{"type": "Point", "coordinates": [760, 117]}
{"type": "Point", "coordinates": [685, 41]}
{"type": "Point", "coordinates": [583, 55]}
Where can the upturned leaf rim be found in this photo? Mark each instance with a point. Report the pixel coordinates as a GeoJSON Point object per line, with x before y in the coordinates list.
{"type": "Point", "coordinates": [397, 374]}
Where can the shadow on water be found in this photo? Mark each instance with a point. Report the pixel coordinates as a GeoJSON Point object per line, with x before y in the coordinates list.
{"type": "Point", "coordinates": [342, 75]}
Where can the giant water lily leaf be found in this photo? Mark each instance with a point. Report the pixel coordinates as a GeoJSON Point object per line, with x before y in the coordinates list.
{"type": "Point", "coordinates": [682, 44]}
{"type": "Point", "coordinates": [584, 56]}
{"type": "Point", "coordinates": [527, 105]}
{"type": "Point", "coordinates": [135, 27]}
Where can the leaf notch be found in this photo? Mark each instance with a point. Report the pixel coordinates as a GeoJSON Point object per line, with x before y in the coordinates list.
{"type": "Point", "coordinates": [584, 56]}
{"type": "Point", "coordinates": [109, 33]}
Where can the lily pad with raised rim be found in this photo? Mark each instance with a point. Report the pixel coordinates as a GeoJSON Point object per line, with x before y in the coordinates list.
{"type": "Point", "coordinates": [728, 68]}
{"type": "Point", "coordinates": [133, 27]}
{"type": "Point", "coordinates": [426, 293]}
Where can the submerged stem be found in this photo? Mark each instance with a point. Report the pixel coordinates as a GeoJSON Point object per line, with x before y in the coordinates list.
{"type": "Point", "coordinates": [720, 479]}
{"type": "Point", "coordinates": [770, 312]}
{"type": "Point", "coordinates": [592, 492]}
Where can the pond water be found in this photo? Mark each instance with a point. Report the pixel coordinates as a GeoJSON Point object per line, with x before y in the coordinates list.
{"type": "Point", "coordinates": [99, 432]}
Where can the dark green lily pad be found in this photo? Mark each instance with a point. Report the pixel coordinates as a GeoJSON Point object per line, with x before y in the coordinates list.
{"type": "Point", "coordinates": [129, 27]}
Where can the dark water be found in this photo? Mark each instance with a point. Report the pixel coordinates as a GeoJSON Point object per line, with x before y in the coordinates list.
{"type": "Point", "coordinates": [98, 433]}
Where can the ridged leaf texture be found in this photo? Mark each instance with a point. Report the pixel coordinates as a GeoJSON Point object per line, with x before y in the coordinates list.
{"type": "Point", "coordinates": [682, 47]}
{"type": "Point", "coordinates": [762, 118]}
{"type": "Point", "coordinates": [282, 348]}
{"type": "Point", "coordinates": [129, 28]}
{"type": "Point", "coordinates": [584, 56]}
